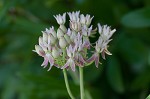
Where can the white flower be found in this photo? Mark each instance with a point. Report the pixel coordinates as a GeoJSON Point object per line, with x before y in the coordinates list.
{"type": "Point", "coordinates": [86, 31]}
{"type": "Point", "coordinates": [105, 31]}
{"type": "Point", "coordinates": [74, 16]}
{"type": "Point", "coordinates": [86, 20]}
{"type": "Point", "coordinates": [62, 42]}
{"type": "Point", "coordinates": [61, 19]}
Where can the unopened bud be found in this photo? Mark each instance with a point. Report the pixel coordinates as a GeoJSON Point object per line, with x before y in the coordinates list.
{"type": "Point", "coordinates": [62, 42]}
{"type": "Point", "coordinates": [55, 52]}
{"type": "Point", "coordinates": [73, 35]}
{"type": "Point", "coordinates": [52, 39]}
{"type": "Point", "coordinates": [63, 28]}
{"type": "Point", "coordinates": [60, 33]}
{"type": "Point", "coordinates": [67, 38]}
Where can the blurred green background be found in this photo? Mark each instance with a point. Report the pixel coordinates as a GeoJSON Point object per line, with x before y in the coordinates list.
{"type": "Point", "coordinates": [124, 75]}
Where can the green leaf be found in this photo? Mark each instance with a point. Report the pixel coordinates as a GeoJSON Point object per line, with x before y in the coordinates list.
{"type": "Point", "coordinates": [137, 19]}
{"type": "Point", "coordinates": [114, 75]}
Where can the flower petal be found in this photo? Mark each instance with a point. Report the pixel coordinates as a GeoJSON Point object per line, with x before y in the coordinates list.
{"type": "Point", "coordinates": [50, 59]}
{"type": "Point", "coordinates": [72, 65]}
{"type": "Point", "coordinates": [50, 68]}
{"type": "Point", "coordinates": [81, 59]}
{"type": "Point", "coordinates": [103, 54]}
{"type": "Point", "coordinates": [45, 62]}
{"type": "Point", "coordinates": [107, 52]}
{"type": "Point", "coordinates": [97, 60]}
{"type": "Point", "coordinates": [92, 58]}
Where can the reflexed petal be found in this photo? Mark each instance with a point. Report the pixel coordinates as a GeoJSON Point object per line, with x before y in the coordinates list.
{"type": "Point", "coordinates": [81, 59]}
{"type": "Point", "coordinates": [103, 54]}
{"type": "Point", "coordinates": [107, 52]}
{"type": "Point", "coordinates": [87, 44]}
{"type": "Point", "coordinates": [51, 60]}
{"type": "Point", "coordinates": [97, 61]}
{"type": "Point", "coordinates": [45, 63]}
{"type": "Point", "coordinates": [72, 65]}
{"type": "Point", "coordinates": [56, 65]}
{"type": "Point", "coordinates": [49, 68]}
{"type": "Point", "coordinates": [92, 58]}
{"type": "Point", "coordinates": [81, 63]}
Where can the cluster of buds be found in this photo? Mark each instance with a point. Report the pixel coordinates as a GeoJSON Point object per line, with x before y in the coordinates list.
{"type": "Point", "coordinates": [68, 47]}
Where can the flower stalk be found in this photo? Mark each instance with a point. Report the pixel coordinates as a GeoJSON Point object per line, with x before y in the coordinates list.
{"type": "Point", "coordinates": [67, 84]}
{"type": "Point", "coordinates": [81, 83]}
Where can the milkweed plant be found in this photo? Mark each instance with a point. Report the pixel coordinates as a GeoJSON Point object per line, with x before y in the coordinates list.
{"type": "Point", "coordinates": [68, 47]}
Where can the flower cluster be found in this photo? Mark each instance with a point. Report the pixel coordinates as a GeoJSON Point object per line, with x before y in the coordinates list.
{"type": "Point", "coordinates": [68, 47]}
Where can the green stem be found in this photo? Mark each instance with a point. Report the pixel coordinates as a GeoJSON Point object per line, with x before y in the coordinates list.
{"type": "Point", "coordinates": [81, 83]}
{"type": "Point", "coordinates": [67, 84]}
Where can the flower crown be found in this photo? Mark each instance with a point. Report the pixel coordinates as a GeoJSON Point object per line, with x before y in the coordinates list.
{"type": "Point", "coordinates": [68, 46]}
